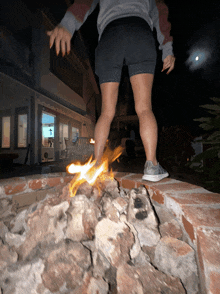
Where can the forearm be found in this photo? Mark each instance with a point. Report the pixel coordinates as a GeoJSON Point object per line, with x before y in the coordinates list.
{"type": "Point", "coordinates": [77, 13]}
{"type": "Point", "coordinates": [163, 28]}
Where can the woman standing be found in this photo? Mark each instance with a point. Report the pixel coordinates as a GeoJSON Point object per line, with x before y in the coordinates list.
{"type": "Point", "coordinates": [125, 36]}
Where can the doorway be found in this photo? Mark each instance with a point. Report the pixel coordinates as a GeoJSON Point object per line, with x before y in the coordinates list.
{"type": "Point", "coordinates": [48, 129]}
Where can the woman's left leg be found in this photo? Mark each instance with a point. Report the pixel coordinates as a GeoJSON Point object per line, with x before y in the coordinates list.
{"type": "Point", "coordinates": [109, 93]}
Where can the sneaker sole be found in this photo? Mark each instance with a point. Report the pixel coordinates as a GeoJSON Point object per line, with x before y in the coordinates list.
{"type": "Point", "coordinates": [154, 178]}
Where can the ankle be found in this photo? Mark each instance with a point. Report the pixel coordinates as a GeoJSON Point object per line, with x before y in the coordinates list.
{"type": "Point", "coordinates": [155, 162]}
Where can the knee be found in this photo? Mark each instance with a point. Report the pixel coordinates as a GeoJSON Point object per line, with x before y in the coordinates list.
{"type": "Point", "coordinates": [108, 114]}
{"type": "Point", "coordinates": [143, 111]}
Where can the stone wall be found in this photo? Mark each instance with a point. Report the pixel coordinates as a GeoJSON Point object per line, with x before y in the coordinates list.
{"type": "Point", "coordinates": [196, 210]}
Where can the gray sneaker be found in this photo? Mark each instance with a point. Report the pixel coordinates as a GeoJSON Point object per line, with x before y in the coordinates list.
{"type": "Point", "coordinates": [154, 173]}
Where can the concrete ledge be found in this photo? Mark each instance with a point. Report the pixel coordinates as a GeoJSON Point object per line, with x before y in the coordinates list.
{"type": "Point", "coordinates": [198, 212]}
{"type": "Point", "coordinates": [196, 209]}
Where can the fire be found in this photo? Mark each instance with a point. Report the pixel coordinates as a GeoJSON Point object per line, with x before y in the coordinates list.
{"type": "Point", "coordinates": [92, 141]}
{"type": "Point", "coordinates": [91, 171]}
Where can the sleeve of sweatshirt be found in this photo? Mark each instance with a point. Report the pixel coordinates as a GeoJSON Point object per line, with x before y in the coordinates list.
{"type": "Point", "coordinates": [159, 15]}
{"type": "Point", "coordinates": [77, 14]}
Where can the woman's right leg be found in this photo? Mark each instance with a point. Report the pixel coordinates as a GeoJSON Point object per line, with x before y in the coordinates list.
{"type": "Point", "coordinates": [109, 93]}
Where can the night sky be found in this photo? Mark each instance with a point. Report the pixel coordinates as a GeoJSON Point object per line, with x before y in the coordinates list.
{"type": "Point", "coordinates": [196, 31]}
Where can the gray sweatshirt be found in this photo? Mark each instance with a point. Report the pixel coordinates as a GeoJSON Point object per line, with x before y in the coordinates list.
{"type": "Point", "coordinates": [156, 15]}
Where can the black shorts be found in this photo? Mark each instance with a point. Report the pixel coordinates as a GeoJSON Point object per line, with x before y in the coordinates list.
{"type": "Point", "coordinates": [126, 40]}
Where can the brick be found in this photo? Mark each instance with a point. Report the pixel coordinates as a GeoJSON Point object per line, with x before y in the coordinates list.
{"type": "Point", "coordinates": [68, 179]}
{"type": "Point", "coordinates": [24, 199]}
{"type": "Point", "coordinates": [52, 182]}
{"type": "Point", "coordinates": [189, 228]}
{"type": "Point", "coordinates": [121, 174]}
{"type": "Point", "coordinates": [35, 184]}
{"type": "Point", "coordinates": [202, 216]}
{"type": "Point", "coordinates": [135, 177]}
{"type": "Point", "coordinates": [156, 195]}
{"type": "Point", "coordinates": [16, 188]}
{"type": "Point", "coordinates": [174, 187]}
{"type": "Point", "coordinates": [209, 241]}
{"type": "Point", "coordinates": [214, 287]}
{"type": "Point", "coordinates": [196, 198]}
{"type": "Point", "coordinates": [128, 184]}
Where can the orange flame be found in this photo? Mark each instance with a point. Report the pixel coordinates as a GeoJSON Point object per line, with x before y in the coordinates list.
{"type": "Point", "coordinates": [92, 141]}
{"type": "Point", "coordinates": [90, 171]}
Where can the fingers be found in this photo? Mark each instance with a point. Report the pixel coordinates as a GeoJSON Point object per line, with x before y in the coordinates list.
{"type": "Point", "coordinates": [169, 62]}
{"type": "Point", "coordinates": [62, 40]}
{"type": "Point", "coordinates": [63, 47]}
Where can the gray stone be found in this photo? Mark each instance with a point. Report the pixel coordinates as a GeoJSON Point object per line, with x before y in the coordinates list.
{"type": "Point", "coordinates": [3, 230]}
{"type": "Point", "coordinates": [65, 266]}
{"type": "Point", "coordinates": [140, 208]}
{"type": "Point", "coordinates": [163, 214]}
{"type": "Point", "coordinates": [7, 256]}
{"type": "Point", "coordinates": [141, 216]}
{"type": "Point", "coordinates": [128, 280]}
{"type": "Point", "coordinates": [17, 224]}
{"type": "Point", "coordinates": [154, 281]}
{"type": "Point", "coordinates": [171, 229]}
{"type": "Point", "coordinates": [15, 240]}
{"type": "Point", "coordinates": [82, 219]}
{"type": "Point", "coordinates": [120, 204]}
{"type": "Point", "coordinates": [136, 248]}
{"type": "Point", "coordinates": [177, 258]}
{"type": "Point", "coordinates": [45, 224]}
{"type": "Point", "coordinates": [114, 241]}
{"type": "Point", "coordinates": [146, 279]}
{"type": "Point", "coordinates": [97, 286]}
{"type": "Point", "coordinates": [24, 278]}
{"type": "Point", "coordinates": [91, 285]}
{"type": "Point", "coordinates": [108, 209]}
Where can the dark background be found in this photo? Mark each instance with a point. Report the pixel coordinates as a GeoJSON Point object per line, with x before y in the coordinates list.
{"type": "Point", "coordinates": [177, 96]}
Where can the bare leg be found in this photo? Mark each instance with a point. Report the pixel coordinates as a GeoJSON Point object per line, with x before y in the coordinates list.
{"type": "Point", "coordinates": [142, 88]}
{"type": "Point", "coordinates": [109, 93]}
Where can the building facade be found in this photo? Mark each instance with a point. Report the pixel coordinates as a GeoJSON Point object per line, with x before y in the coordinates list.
{"type": "Point", "coordinates": [44, 98]}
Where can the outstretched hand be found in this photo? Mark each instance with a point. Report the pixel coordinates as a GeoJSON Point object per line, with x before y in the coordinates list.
{"type": "Point", "coordinates": [168, 62]}
{"type": "Point", "coordinates": [62, 39]}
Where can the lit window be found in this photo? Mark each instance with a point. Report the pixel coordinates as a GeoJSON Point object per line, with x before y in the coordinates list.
{"type": "Point", "coordinates": [22, 130]}
{"type": "Point", "coordinates": [6, 122]}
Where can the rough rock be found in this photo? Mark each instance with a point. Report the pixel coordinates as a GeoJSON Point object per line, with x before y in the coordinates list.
{"type": "Point", "coordinates": [110, 186]}
{"type": "Point", "coordinates": [128, 280]}
{"type": "Point", "coordinates": [7, 211]}
{"type": "Point", "coordinates": [154, 281]}
{"type": "Point", "coordinates": [47, 223]}
{"type": "Point", "coordinates": [114, 241]}
{"type": "Point", "coordinates": [108, 209]}
{"type": "Point", "coordinates": [171, 229]}
{"type": "Point", "coordinates": [3, 230]}
{"type": "Point", "coordinates": [100, 263]}
{"type": "Point", "coordinates": [7, 255]}
{"type": "Point", "coordinates": [91, 285]}
{"type": "Point", "coordinates": [83, 217]}
{"type": "Point", "coordinates": [65, 266]}
{"type": "Point", "coordinates": [163, 214]}
{"type": "Point", "coordinates": [120, 204]}
{"type": "Point", "coordinates": [177, 258]}
{"type": "Point", "coordinates": [17, 225]}
{"type": "Point", "coordinates": [146, 279]}
{"type": "Point", "coordinates": [15, 240]}
{"type": "Point", "coordinates": [22, 278]}
{"type": "Point", "coordinates": [142, 217]}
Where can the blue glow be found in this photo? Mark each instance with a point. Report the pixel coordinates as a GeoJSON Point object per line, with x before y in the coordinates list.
{"type": "Point", "coordinates": [197, 58]}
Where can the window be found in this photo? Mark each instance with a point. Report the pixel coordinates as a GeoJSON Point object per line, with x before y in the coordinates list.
{"type": "Point", "coordinates": [64, 131]}
{"type": "Point", "coordinates": [75, 134]}
{"type": "Point", "coordinates": [6, 124]}
{"type": "Point", "coordinates": [22, 130]}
